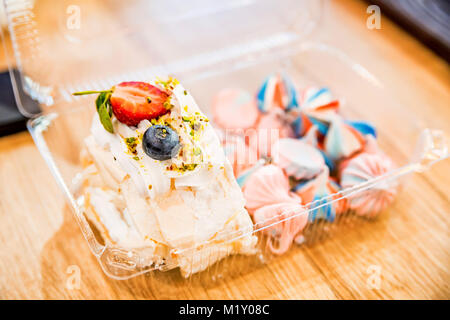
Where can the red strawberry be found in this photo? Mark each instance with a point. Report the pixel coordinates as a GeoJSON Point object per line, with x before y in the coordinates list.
{"type": "Point", "coordinates": [135, 101]}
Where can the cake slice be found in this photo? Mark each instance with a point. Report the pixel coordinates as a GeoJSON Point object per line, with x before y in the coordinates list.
{"type": "Point", "coordinates": [156, 179]}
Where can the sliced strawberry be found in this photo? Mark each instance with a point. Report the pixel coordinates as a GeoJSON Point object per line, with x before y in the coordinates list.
{"type": "Point", "coordinates": [135, 101]}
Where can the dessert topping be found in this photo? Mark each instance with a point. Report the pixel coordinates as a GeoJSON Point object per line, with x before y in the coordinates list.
{"type": "Point", "coordinates": [131, 144]}
{"type": "Point", "coordinates": [135, 101]}
{"type": "Point", "coordinates": [161, 142]}
{"type": "Point", "coordinates": [131, 102]}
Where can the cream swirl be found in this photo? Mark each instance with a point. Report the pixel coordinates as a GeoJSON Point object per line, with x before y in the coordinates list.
{"type": "Point", "coordinates": [201, 152]}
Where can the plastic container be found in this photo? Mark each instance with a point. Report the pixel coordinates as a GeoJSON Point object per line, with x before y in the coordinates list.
{"type": "Point", "coordinates": [207, 45]}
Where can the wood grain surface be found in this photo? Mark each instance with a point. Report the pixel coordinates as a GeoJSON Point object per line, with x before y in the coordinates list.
{"type": "Point", "coordinates": [409, 246]}
{"type": "Point", "coordinates": [427, 20]}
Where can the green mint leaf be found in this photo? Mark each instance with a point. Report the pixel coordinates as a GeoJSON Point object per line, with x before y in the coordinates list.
{"type": "Point", "coordinates": [100, 100]}
{"type": "Point", "coordinates": [103, 105]}
{"type": "Point", "coordinates": [104, 110]}
{"type": "Point", "coordinates": [109, 108]}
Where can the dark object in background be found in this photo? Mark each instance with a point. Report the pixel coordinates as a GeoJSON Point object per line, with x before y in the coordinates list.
{"type": "Point", "coordinates": [11, 120]}
{"type": "Point", "coordinates": [427, 20]}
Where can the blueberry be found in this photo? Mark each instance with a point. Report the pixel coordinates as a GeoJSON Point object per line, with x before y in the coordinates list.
{"type": "Point", "coordinates": [161, 142]}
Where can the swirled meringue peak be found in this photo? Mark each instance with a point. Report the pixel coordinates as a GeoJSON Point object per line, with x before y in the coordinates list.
{"type": "Point", "coordinates": [362, 168]}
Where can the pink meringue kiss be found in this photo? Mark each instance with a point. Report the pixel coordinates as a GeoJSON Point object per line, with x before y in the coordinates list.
{"type": "Point", "coordinates": [311, 136]}
{"type": "Point", "coordinates": [266, 186]}
{"type": "Point", "coordinates": [297, 158]}
{"type": "Point", "coordinates": [323, 115]}
{"type": "Point", "coordinates": [316, 106]}
{"type": "Point", "coordinates": [274, 208]}
{"type": "Point", "coordinates": [370, 146]}
{"type": "Point", "coordinates": [246, 174]}
{"type": "Point", "coordinates": [240, 155]}
{"type": "Point", "coordinates": [320, 196]}
{"type": "Point", "coordinates": [234, 109]}
{"type": "Point", "coordinates": [271, 127]}
{"type": "Point", "coordinates": [363, 168]}
{"type": "Point", "coordinates": [277, 91]}
{"type": "Point", "coordinates": [313, 97]}
{"type": "Point", "coordinates": [282, 222]}
{"type": "Point", "coordinates": [342, 140]}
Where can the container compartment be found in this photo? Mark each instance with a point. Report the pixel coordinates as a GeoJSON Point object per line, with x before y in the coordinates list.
{"type": "Point", "coordinates": [207, 46]}
{"type": "Point", "coordinates": [364, 99]}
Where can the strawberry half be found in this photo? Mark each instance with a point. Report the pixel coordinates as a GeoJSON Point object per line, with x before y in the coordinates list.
{"type": "Point", "coordinates": [135, 101]}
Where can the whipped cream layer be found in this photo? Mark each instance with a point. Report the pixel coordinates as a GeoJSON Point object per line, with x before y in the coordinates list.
{"type": "Point", "coordinates": [166, 208]}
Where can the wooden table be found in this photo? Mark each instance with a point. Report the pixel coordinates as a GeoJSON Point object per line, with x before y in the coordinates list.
{"type": "Point", "coordinates": [409, 247]}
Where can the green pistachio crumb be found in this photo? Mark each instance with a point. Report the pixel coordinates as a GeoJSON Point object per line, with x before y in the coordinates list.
{"type": "Point", "coordinates": [131, 143]}
{"type": "Point", "coordinates": [197, 151]}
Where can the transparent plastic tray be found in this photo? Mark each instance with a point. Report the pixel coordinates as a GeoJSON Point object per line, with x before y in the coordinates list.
{"type": "Point", "coordinates": [207, 45]}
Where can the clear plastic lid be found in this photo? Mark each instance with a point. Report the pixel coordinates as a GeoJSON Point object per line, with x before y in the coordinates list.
{"type": "Point", "coordinates": [66, 46]}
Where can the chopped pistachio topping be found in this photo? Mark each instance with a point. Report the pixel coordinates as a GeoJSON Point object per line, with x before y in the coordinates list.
{"type": "Point", "coordinates": [184, 167]}
{"type": "Point", "coordinates": [163, 120]}
{"type": "Point", "coordinates": [195, 123]}
{"type": "Point", "coordinates": [131, 143]}
{"type": "Point", "coordinates": [197, 151]}
{"type": "Point", "coordinates": [170, 83]}
{"type": "Point", "coordinates": [168, 103]}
